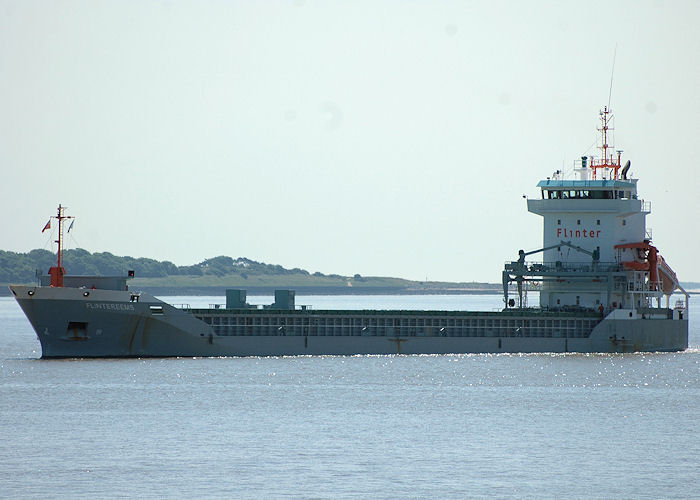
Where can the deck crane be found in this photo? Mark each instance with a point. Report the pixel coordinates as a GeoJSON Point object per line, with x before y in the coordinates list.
{"type": "Point", "coordinates": [519, 269]}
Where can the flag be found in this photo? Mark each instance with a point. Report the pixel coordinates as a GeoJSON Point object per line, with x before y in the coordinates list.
{"type": "Point", "coordinates": [47, 226]}
{"type": "Point", "coordinates": [71, 225]}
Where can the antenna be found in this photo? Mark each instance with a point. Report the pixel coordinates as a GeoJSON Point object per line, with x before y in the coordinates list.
{"type": "Point", "coordinates": [612, 73]}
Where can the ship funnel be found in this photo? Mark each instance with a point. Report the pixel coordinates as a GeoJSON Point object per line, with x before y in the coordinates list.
{"type": "Point", "coordinates": [626, 169]}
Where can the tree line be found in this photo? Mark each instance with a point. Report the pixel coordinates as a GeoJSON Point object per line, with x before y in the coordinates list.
{"type": "Point", "coordinates": [22, 267]}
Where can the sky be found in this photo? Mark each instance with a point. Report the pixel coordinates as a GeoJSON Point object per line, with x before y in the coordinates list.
{"type": "Point", "coordinates": [385, 138]}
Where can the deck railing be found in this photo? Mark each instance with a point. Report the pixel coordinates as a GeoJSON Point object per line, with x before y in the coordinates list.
{"type": "Point", "coordinates": [564, 267]}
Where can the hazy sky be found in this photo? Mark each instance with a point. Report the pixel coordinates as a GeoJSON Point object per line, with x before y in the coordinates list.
{"type": "Point", "coordinates": [380, 137]}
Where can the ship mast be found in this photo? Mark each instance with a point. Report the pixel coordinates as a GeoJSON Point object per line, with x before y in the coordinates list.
{"type": "Point", "coordinates": [56, 272]}
{"type": "Point", "coordinates": [606, 162]}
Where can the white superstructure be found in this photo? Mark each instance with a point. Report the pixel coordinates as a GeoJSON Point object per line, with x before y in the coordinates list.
{"type": "Point", "coordinates": [597, 252]}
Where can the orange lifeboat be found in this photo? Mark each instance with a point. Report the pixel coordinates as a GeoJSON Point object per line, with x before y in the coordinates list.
{"type": "Point", "coordinates": [648, 260]}
{"type": "Point", "coordinates": [669, 280]}
{"type": "Point", "coordinates": [651, 261]}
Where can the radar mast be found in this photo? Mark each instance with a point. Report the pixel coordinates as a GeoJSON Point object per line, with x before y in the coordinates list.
{"type": "Point", "coordinates": [607, 163]}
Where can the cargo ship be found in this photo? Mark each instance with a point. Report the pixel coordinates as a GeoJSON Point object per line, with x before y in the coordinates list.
{"type": "Point", "coordinates": [603, 287]}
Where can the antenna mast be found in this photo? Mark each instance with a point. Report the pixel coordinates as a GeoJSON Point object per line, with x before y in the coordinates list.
{"type": "Point", "coordinates": [606, 162]}
{"type": "Point", "coordinates": [56, 272]}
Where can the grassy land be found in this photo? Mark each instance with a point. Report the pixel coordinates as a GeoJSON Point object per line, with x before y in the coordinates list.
{"type": "Point", "coordinates": [302, 282]}
{"type": "Point", "coordinates": [212, 275]}
{"type": "Point", "coordinates": [266, 280]}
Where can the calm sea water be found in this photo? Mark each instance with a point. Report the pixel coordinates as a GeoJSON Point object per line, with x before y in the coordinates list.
{"type": "Point", "coordinates": [366, 426]}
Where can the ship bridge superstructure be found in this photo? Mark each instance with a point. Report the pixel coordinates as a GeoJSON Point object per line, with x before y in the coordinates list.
{"type": "Point", "coordinates": [596, 249]}
{"type": "Point", "coordinates": [594, 214]}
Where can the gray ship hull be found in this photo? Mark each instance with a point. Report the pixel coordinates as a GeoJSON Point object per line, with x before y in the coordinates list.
{"type": "Point", "coordinates": [75, 322]}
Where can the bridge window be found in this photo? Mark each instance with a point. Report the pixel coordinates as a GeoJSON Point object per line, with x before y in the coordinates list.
{"type": "Point", "coordinates": [598, 194]}
{"type": "Point", "coordinates": [558, 194]}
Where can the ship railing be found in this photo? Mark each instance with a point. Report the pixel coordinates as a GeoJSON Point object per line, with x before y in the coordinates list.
{"type": "Point", "coordinates": [297, 307]}
{"type": "Point", "coordinates": [563, 267]}
{"type": "Point", "coordinates": [643, 287]}
{"type": "Point", "coordinates": [185, 307]}
{"type": "Point", "coordinates": [646, 207]}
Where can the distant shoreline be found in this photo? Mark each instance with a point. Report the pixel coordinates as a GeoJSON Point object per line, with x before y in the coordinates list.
{"type": "Point", "coordinates": [218, 291]}
{"type": "Point", "coordinates": [305, 290]}
{"type": "Point", "coordinates": [301, 290]}
{"type": "Point", "coordinates": [215, 275]}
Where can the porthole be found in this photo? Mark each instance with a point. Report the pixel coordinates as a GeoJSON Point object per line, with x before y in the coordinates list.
{"type": "Point", "coordinates": [85, 294]}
